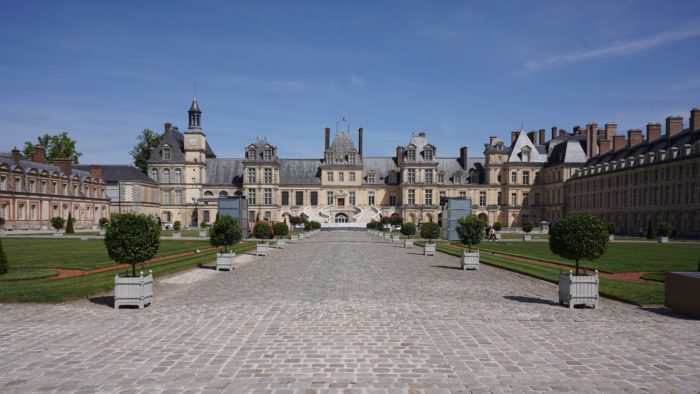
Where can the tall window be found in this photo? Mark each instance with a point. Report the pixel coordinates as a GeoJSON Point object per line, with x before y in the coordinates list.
{"type": "Point", "coordinates": [268, 216]}
{"type": "Point", "coordinates": [370, 198]}
{"type": "Point", "coordinates": [429, 176]}
{"type": "Point", "coordinates": [392, 199]}
{"type": "Point", "coordinates": [526, 203]}
{"type": "Point", "coordinates": [513, 199]}
{"type": "Point", "coordinates": [514, 177]}
{"type": "Point", "coordinates": [526, 177]}
{"type": "Point", "coordinates": [500, 198]}
{"type": "Point", "coordinates": [251, 175]}
{"type": "Point", "coordinates": [429, 197]}
{"type": "Point", "coordinates": [441, 177]}
{"type": "Point", "coordinates": [341, 176]}
{"type": "Point", "coordinates": [329, 198]}
{"type": "Point", "coordinates": [411, 176]}
{"type": "Point", "coordinates": [205, 216]}
{"type": "Point", "coordinates": [268, 175]}
{"type": "Point", "coordinates": [178, 175]}
{"type": "Point", "coordinates": [154, 176]}
{"type": "Point", "coordinates": [458, 178]}
{"type": "Point", "coordinates": [411, 154]}
{"type": "Point", "coordinates": [285, 198]}
{"type": "Point", "coordinates": [482, 199]}
{"type": "Point", "coordinates": [3, 182]}
{"type": "Point", "coordinates": [178, 196]}
{"type": "Point", "coordinates": [251, 196]}
{"type": "Point", "coordinates": [428, 154]}
{"type": "Point", "coordinates": [166, 175]}
{"type": "Point", "coordinates": [166, 197]}
{"type": "Point", "coordinates": [299, 198]}
{"type": "Point", "coordinates": [352, 177]}
{"type": "Point", "coordinates": [411, 196]}
{"type": "Point", "coordinates": [268, 197]}
{"type": "Point", "coordinates": [352, 198]}
{"type": "Point", "coordinates": [314, 198]}
{"type": "Point", "coordinates": [267, 154]}
{"type": "Point", "coordinates": [166, 153]}
{"type": "Point", "coordinates": [330, 176]}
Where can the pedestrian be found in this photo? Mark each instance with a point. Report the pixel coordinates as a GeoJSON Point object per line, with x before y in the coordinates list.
{"type": "Point", "coordinates": [492, 235]}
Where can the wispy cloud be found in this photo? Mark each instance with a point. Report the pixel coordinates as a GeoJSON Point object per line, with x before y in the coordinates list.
{"type": "Point", "coordinates": [265, 84]}
{"type": "Point", "coordinates": [616, 49]}
{"type": "Point", "coordinates": [357, 80]}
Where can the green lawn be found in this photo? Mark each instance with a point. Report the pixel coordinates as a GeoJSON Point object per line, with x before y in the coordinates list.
{"type": "Point", "coordinates": [519, 236]}
{"type": "Point", "coordinates": [57, 290]}
{"type": "Point", "coordinates": [24, 253]}
{"type": "Point", "coordinates": [184, 233]}
{"type": "Point", "coordinates": [657, 276]}
{"type": "Point", "coordinates": [620, 257]}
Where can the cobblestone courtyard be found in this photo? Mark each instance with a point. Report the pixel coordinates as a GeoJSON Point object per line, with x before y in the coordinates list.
{"type": "Point", "coordinates": [348, 313]}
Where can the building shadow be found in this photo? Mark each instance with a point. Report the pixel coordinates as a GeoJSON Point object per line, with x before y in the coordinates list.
{"type": "Point", "coordinates": [530, 300]}
{"type": "Point", "coordinates": [664, 311]}
{"type": "Point", "coordinates": [107, 301]}
{"type": "Point", "coordinates": [446, 267]}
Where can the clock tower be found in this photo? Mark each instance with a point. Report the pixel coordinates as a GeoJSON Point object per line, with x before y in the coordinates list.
{"type": "Point", "coordinates": [195, 141]}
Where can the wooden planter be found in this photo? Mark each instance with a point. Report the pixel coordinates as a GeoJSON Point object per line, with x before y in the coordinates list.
{"type": "Point", "coordinates": [395, 239]}
{"type": "Point", "coordinates": [498, 235]}
{"type": "Point", "coordinates": [202, 233]}
{"type": "Point", "coordinates": [177, 235]}
{"type": "Point", "coordinates": [683, 292]}
{"type": "Point", "coordinates": [527, 237]}
{"type": "Point", "coordinates": [225, 261]}
{"type": "Point", "coordinates": [281, 243]}
{"type": "Point", "coordinates": [58, 234]}
{"type": "Point", "coordinates": [578, 289]}
{"type": "Point", "coordinates": [2, 233]}
{"type": "Point", "coordinates": [387, 236]}
{"type": "Point", "coordinates": [262, 249]}
{"type": "Point", "coordinates": [470, 261]}
{"type": "Point", "coordinates": [429, 249]}
{"type": "Point", "coordinates": [662, 240]}
{"type": "Point", "coordinates": [611, 237]}
{"type": "Point", "coordinates": [102, 233]}
{"type": "Point", "coordinates": [133, 291]}
{"type": "Point", "coordinates": [408, 243]}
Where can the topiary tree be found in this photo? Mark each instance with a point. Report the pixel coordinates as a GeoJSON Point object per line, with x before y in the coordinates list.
{"type": "Point", "coordinates": [2, 223]}
{"type": "Point", "coordinates": [408, 229]}
{"type": "Point", "coordinates": [315, 225]}
{"type": "Point", "coordinates": [57, 223]}
{"type": "Point", "coordinates": [132, 238]}
{"type": "Point", "coordinates": [612, 227]}
{"type": "Point", "coordinates": [261, 230]}
{"type": "Point", "coordinates": [497, 226]}
{"type": "Point", "coordinates": [395, 220]}
{"type": "Point", "coordinates": [4, 264]}
{"type": "Point", "coordinates": [470, 230]}
{"type": "Point", "coordinates": [104, 221]}
{"type": "Point", "coordinates": [281, 229]}
{"type": "Point", "coordinates": [579, 237]}
{"type": "Point", "coordinates": [69, 225]}
{"type": "Point", "coordinates": [651, 234]}
{"type": "Point", "coordinates": [225, 232]}
{"type": "Point", "coordinates": [372, 225]}
{"type": "Point", "coordinates": [665, 229]}
{"type": "Point", "coordinates": [430, 231]}
{"type": "Point", "coordinates": [527, 226]}
{"type": "Point", "coordinates": [177, 225]}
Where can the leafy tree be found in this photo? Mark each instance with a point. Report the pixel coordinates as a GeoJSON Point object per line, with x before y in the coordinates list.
{"type": "Point", "coordinates": [225, 232]}
{"type": "Point", "coordinates": [146, 142]}
{"type": "Point", "coordinates": [373, 225]}
{"type": "Point", "coordinates": [430, 231]}
{"type": "Point", "coordinates": [177, 225]}
{"type": "Point", "coordinates": [527, 226]}
{"type": "Point", "coordinates": [395, 220]}
{"type": "Point", "coordinates": [497, 226]}
{"type": "Point", "coordinates": [612, 227]}
{"type": "Point", "coordinates": [651, 234]}
{"type": "Point", "coordinates": [261, 230]}
{"type": "Point", "coordinates": [132, 238]}
{"type": "Point", "coordinates": [281, 229]}
{"type": "Point", "coordinates": [69, 225]}
{"type": "Point", "coordinates": [665, 229]}
{"type": "Point", "coordinates": [4, 264]}
{"type": "Point", "coordinates": [57, 222]}
{"type": "Point", "coordinates": [104, 222]}
{"type": "Point", "coordinates": [579, 237]}
{"type": "Point", "coordinates": [59, 146]}
{"type": "Point", "coordinates": [408, 229]}
{"type": "Point", "coordinates": [470, 230]}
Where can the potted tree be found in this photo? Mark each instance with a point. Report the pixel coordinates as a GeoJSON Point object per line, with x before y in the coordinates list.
{"type": "Point", "coordinates": [103, 223]}
{"type": "Point", "coordinates": [664, 231]}
{"type": "Point", "coordinates": [4, 264]}
{"type": "Point", "coordinates": [176, 229]}
{"type": "Point", "coordinates": [131, 239]}
{"type": "Point", "coordinates": [203, 229]}
{"type": "Point", "coordinates": [57, 224]}
{"type": "Point", "coordinates": [281, 231]}
{"type": "Point", "coordinates": [527, 227]}
{"type": "Point", "coordinates": [69, 225]}
{"type": "Point", "coordinates": [408, 229]}
{"type": "Point", "coordinates": [225, 232]}
{"type": "Point", "coordinates": [578, 237]}
{"type": "Point", "coordinates": [497, 226]}
{"type": "Point", "coordinates": [315, 226]}
{"type": "Point", "coordinates": [262, 231]}
{"type": "Point", "coordinates": [651, 234]}
{"type": "Point", "coordinates": [2, 226]}
{"type": "Point", "coordinates": [471, 231]}
{"type": "Point", "coordinates": [371, 226]}
{"type": "Point", "coordinates": [612, 228]}
{"type": "Point", "coordinates": [430, 231]}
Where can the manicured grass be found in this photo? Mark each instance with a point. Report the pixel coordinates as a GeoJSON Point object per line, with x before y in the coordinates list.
{"type": "Point", "coordinates": [57, 290]}
{"type": "Point", "coordinates": [27, 273]}
{"type": "Point", "coordinates": [620, 256]}
{"type": "Point", "coordinates": [519, 236]}
{"type": "Point", "coordinates": [71, 253]}
{"type": "Point", "coordinates": [657, 276]}
{"type": "Point", "coordinates": [184, 233]}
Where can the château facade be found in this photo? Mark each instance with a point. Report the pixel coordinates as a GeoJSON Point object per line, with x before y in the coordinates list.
{"type": "Point", "coordinates": [531, 177]}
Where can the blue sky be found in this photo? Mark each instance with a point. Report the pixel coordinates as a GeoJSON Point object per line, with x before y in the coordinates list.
{"type": "Point", "coordinates": [460, 71]}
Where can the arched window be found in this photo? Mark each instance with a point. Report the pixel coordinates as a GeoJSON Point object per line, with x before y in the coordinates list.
{"type": "Point", "coordinates": [223, 194]}
{"type": "Point", "coordinates": [208, 194]}
{"type": "Point", "coordinates": [154, 174]}
{"type": "Point", "coordinates": [178, 175]}
{"type": "Point", "coordinates": [166, 175]}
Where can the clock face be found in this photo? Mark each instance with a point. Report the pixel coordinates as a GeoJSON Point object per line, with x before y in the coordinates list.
{"type": "Point", "coordinates": [192, 141]}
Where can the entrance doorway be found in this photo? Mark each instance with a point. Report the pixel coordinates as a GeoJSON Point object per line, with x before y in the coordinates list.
{"type": "Point", "coordinates": [341, 202]}
{"type": "Point", "coordinates": [341, 218]}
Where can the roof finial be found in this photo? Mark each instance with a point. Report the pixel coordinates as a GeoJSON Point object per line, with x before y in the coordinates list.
{"type": "Point", "coordinates": [194, 90]}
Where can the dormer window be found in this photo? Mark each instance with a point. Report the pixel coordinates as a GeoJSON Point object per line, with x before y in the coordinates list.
{"type": "Point", "coordinates": [250, 154]}
{"type": "Point", "coordinates": [458, 178]}
{"type": "Point", "coordinates": [441, 177]}
{"type": "Point", "coordinates": [428, 154]}
{"type": "Point", "coordinates": [351, 158]}
{"type": "Point", "coordinates": [371, 178]}
{"type": "Point", "coordinates": [166, 153]}
{"type": "Point", "coordinates": [267, 154]}
{"type": "Point", "coordinates": [411, 154]}
{"type": "Point", "coordinates": [474, 177]}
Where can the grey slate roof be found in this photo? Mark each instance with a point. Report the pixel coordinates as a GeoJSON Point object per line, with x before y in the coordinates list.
{"type": "Point", "coordinates": [6, 158]}
{"type": "Point", "coordinates": [420, 141]}
{"type": "Point", "coordinates": [116, 173]}
{"type": "Point", "coordinates": [566, 151]}
{"type": "Point", "coordinates": [342, 143]}
{"type": "Point", "coordinates": [300, 171]}
{"type": "Point", "coordinates": [225, 172]}
{"type": "Point", "coordinates": [175, 139]}
{"type": "Point", "coordinates": [381, 166]}
{"type": "Point", "coordinates": [451, 166]}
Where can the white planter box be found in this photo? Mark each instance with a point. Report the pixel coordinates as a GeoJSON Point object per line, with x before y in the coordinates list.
{"type": "Point", "coordinates": [102, 233]}
{"type": "Point", "coordinates": [578, 289]}
{"type": "Point", "coordinates": [262, 249]}
{"type": "Point", "coordinates": [281, 243]}
{"type": "Point", "coordinates": [395, 239]}
{"type": "Point", "coordinates": [2, 233]}
{"type": "Point", "coordinates": [133, 291]}
{"type": "Point", "coordinates": [202, 233]}
{"type": "Point", "coordinates": [58, 234]}
{"type": "Point", "coordinates": [177, 235]}
{"type": "Point", "coordinates": [470, 261]}
{"type": "Point", "coordinates": [429, 249]}
{"type": "Point", "coordinates": [527, 237]}
{"type": "Point", "coordinates": [387, 236]}
{"type": "Point", "coordinates": [225, 261]}
{"type": "Point", "coordinates": [611, 237]}
{"type": "Point", "coordinates": [662, 240]}
{"type": "Point", "coordinates": [408, 243]}
{"type": "Point", "coordinates": [498, 236]}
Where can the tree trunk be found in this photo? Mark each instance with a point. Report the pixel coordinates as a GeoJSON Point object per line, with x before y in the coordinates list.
{"type": "Point", "coordinates": [577, 266]}
{"type": "Point", "coordinates": [133, 269]}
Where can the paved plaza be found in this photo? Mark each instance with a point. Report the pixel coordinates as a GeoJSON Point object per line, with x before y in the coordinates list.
{"type": "Point", "coordinates": [344, 312]}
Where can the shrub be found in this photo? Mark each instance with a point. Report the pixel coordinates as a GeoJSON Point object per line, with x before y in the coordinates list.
{"type": "Point", "coordinates": [408, 229]}
{"type": "Point", "coordinates": [132, 238]}
{"type": "Point", "coordinates": [177, 225]}
{"type": "Point", "coordinates": [104, 222]}
{"type": "Point", "coordinates": [470, 230]}
{"type": "Point", "coordinates": [281, 229]}
{"type": "Point", "coordinates": [497, 226]}
{"type": "Point", "coordinates": [372, 225]}
{"type": "Point", "coordinates": [578, 237]}
{"type": "Point", "coordinates": [2, 222]}
{"type": "Point", "coordinates": [612, 227]}
{"type": "Point", "coordinates": [69, 225]}
{"type": "Point", "coordinates": [315, 225]}
{"type": "Point", "coordinates": [262, 230]}
{"type": "Point", "coordinates": [527, 226]}
{"type": "Point", "coordinates": [225, 232]}
{"type": "Point", "coordinates": [57, 222]}
{"type": "Point", "coordinates": [665, 229]}
{"type": "Point", "coordinates": [4, 265]}
{"type": "Point", "coordinates": [395, 220]}
{"type": "Point", "coordinates": [430, 231]}
{"type": "Point", "coordinates": [651, 234]}
{"type": "Point", "coordinates": [203, 225]}
{"type": "Point", "coordinates": [296, 220]}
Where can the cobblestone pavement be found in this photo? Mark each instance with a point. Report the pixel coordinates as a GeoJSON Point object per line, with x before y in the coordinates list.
{"type": "Point", "coordinates": [344, 312]}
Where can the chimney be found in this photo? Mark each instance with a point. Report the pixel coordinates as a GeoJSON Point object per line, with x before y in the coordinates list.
{"type": "Point", "coordinates": [15, 155]}
{"type": "Point", "coordinates": [66, 165]}
{"type": "Point", "coordinates": [562, 133]}
{"type": "Point", "coordinates": [463, 151]}
{"type": "Point", "coordinates": [694, 119]}
{"type": "Point", "coordinates": [359, 142]}
{"type": "Point", "coordinates": [577, 130]}
{"type": "Point", "coordinates": [653, 131]}
{"type": "Point", "coordinates": [328, 137]}
{"type": "Point", "coordinates": [542, 137]}
{"type": "Point", "coordinates": [618, 142]}
{"type": "Point", "coordinates": [95, 171]}
{"type": "Point", "coordinates": [513, 136]}
{"type": "Point", "coordinates": [167, 126]}
{"type": "Point", "coordinates": [492, 138]}
{"type": "Point", "coordinates": [39, 154]}
{"type": "Point", "coordinates": [674, 125]}
{"type": "Point", "coordinates": [31, 156]}
{"type": "Point", "coordinates": [634, 137]}
{"type": "Point", "coordinates": [610, 130]}
{"type": "Point", "coordinates": [554, 132]}
{"type": "Point", "coordinates": [591, 139]}
{"type": "Point", "coordinates": [604, 146]}
{"type": "Point", "coordinates": [399, 155]}
{"type": "Point", "coordinates": [531, 135]}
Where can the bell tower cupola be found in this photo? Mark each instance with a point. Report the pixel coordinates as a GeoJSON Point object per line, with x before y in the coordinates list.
{"type": "Point", "coordinates": [195, 115]}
